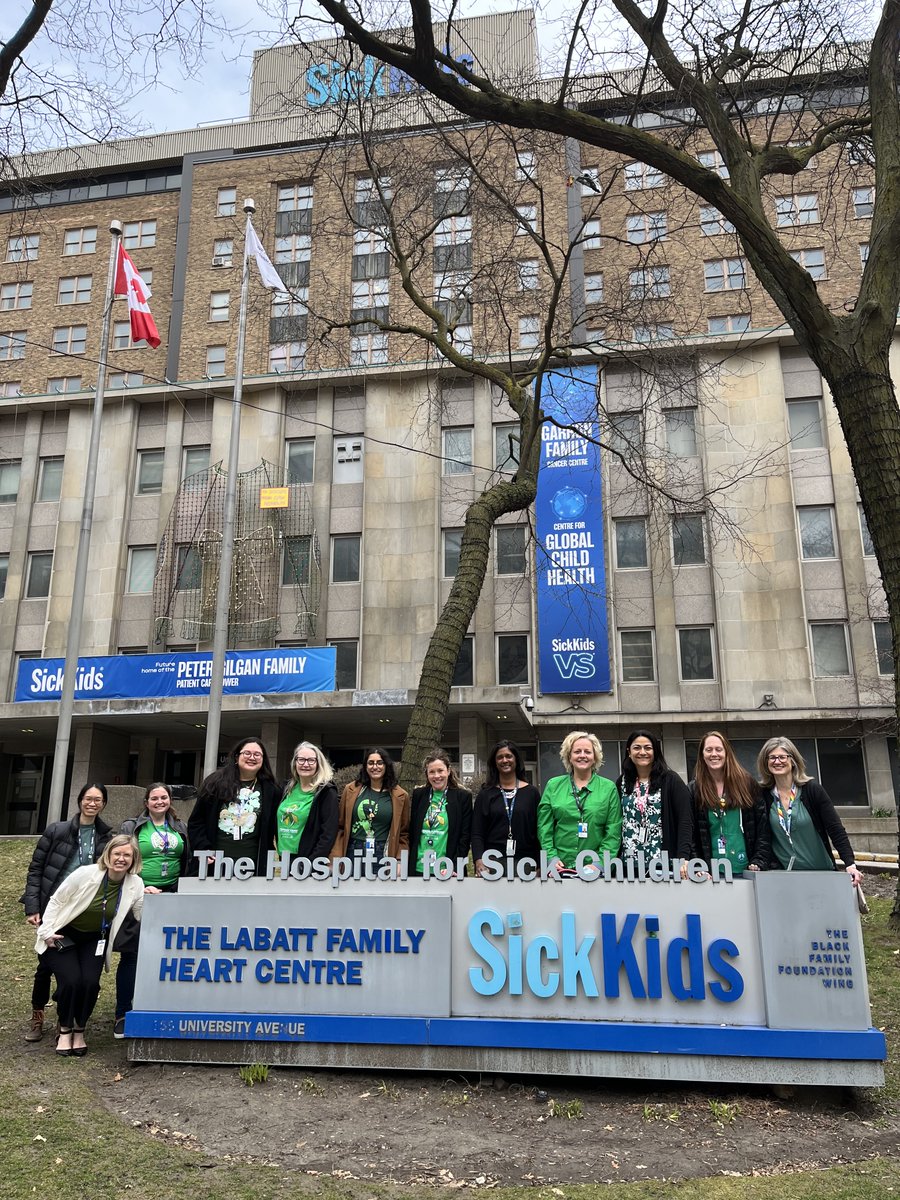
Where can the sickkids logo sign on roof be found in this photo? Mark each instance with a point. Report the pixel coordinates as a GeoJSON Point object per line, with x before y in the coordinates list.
{"type": "Point", "coordinates": [332, 82]}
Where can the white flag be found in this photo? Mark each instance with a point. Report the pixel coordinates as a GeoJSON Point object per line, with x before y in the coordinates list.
{"type": "Point", "coordinates": [253, 246]}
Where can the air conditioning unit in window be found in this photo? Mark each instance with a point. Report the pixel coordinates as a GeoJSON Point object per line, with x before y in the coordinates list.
{"type": "Point", "coordinates": [221, 260]}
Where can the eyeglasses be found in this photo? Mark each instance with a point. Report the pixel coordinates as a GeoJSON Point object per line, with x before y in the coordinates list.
{"type": "Point", "coordinates": [305, 762]}
{"type": "Point", "coordinates": [249, 754]}
{"type": "Point", "coordinates": [780, 758]}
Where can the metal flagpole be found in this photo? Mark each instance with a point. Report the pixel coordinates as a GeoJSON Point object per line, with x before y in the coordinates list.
{"type": "Point", "coordinates": [73, 642]}
{"type": "Point", "coordinates": [223, 592]}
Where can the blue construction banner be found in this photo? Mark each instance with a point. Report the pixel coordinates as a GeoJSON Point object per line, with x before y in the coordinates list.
{"type": "Point", "coordinates": [140, 676]}
{"type": "Point", "coordinates": [573, 646]}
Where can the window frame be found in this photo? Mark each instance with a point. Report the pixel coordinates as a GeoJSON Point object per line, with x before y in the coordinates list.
{"type": "Point", "coordinates": [509, 637]}
{"type": "Point", "coordinates": [679, 522]}
{"type": "Point", "coordinates": [33, 558]}
{"type": "Point", "coordinates": [57, 460]}
{"type": "Point", "coordinates": [807, 510]}
{"type": "Point", "coordinates": [289, 471]}
{"type": "Point", "coordinates": [507, 555]}
{"type": "Point", "coordinates": [821, 625]}
{"type": "Point", "coordinates": [466, 461]}
{"type": "Point", "coordinates": [686, 629]}
{"type": "Point", "coordinates": [346, 539]}
{"type": "Point", "coordinates": [622, 521]}
{"type": "Point", "coordinates": [133, 552]}
{"type": "Point", "coordinates": [651, 636]}
{"type": "Point", "coordinates": [448, 537]}
{"type": "Point", "coordinates": [141, 487]}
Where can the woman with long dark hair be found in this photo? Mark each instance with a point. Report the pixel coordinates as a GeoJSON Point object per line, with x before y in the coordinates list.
{"type": "Point", "coordinates": [440, 822]}
{"type": "Point", "coordinates": [307, 819]}
{"type": "Point", "coordinates": [374, 812]}
{"type": "Point", "coordinates": [236, 806]}
{"type": "Point", "coordinates": [504, 818]}
{"type": "Point", "coordinates": [656, 803]}
{"type": "Point", "coordinates": [729, 809]}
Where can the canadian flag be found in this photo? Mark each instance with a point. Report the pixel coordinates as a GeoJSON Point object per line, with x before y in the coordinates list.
{"type": "Point", "coordinates": [129, 284]}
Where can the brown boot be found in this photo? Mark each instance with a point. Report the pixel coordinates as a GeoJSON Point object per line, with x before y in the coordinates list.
{"type": "Point", "coordinates": [36, 1031]}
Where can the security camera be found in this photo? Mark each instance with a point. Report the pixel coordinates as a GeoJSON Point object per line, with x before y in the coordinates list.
{"type": "Point", "coordinates": [528, 703]}
{"type": "Point", "coordinates": [249, 207]}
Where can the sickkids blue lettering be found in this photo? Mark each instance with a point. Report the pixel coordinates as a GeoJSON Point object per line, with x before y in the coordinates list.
{"type": "Point", "coordinates": [332, 82]}
{"type": "Point", "coordinates": [630, 956]}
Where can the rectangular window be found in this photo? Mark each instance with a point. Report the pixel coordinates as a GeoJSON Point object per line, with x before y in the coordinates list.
{"type": "Point", "coordinates": [863, 255]}
{"type": "Point", "coordinates": [139, 235]}
{"type": "Point", "coordinates": [12, 345]}
{"type": "Point", "coordinates": [11, 387]}
{"type": "Point", "coordinates": [883, 650]}
{"type": "Point", "coordinates": [194, 460]}
{"type": "Point", "coordinates": [294, 197]}
{"type": "Point", "coordinates": [457, 451]}
{"type": "Point", "coordinates": [452, 179]}
{"type": "Point", "coordinates": [371, 348]}
{"type": "Point", "coordinates": [713, 161]}
{"type": "Point", "coordinates": [219, 305]}
{"type": "Point", "coordinates": [80, 241]}
{"type": "Point", "coordinates": [631, 543]}
{"type": "Point", "coordinates": [506, 447]}
{"type": "Point", "coordinates": [590, 236]}
{"type": "Point", "coordinates": [695, 654]}
{"type": "Point", "coordinates": [226, 202]}
{"type": "Point", "coordinates": [50, 479]}
{"type": "Point", "coordinates": [812, 261]}
{"type": "Point", "coordinates": [141, 570]}
{"type": "Point", "coordinates": [593, 289]}
{"type": "Point", "coordinates": [4, 572]}
{"type": "Point", "coordinates": [529, 332]}
{"type": "Point", "coordinates": [526, 166]}
{"type": "Point", "coordinates": [868, 546]}
{"type": "Point", "coordinates": [734, 323]}
{"type": "Point", "coordinates": [637, 655]}
{"type": "Point", "coordinates": [124, 379]}
{"type": "Point", "coordinates": [23, 248]}
{"type": "Point", "coordinates": [287, 356]}
{"type": "Point", "coordinates": [712, 222]}
{"type": "Point", "coordinates": [681, 432]}
{"type": "Point", "coordinates": [649, 283]}
{"type": "Point", "coordinates": [452, 542]}
{"type": "Point", "coordinates": [292, 248]}
{"type": "Point", "coordinates": [150, 472]}
{"type": "Point", "coordinates": [16, 295]}
{"type": "Point", "coordinates": [288, 304]}
{"type": "Point", "coordinates": [121, 336]}
{"type": "Point", "coordinates": [346, 656]}
{"type": "Point", "coordinates": [656, 332]}
{"type": "Point", "coordinates": [74, 289]}
{"type": "Point", "coordinates": [512, 658]}
{"type": "Point", "coordinates": [215, 362]}
{"type": "Point", "coordinates": [70, 339]}
{"type": "Point", "coordinates": [464, 671]}
{"type": "Point", "coordinates": [40, 567]}
{"type": "Point", "coordinates": [863, 202]}
{"type": "Point", "coordinates": [10, 474]}
{"type": "Point", "coordinates": [370, 294]}
{"type": "Point", "coordinates": [295, 558]}
{"type": "Point", "coordinates": [625, 433]}
{"type": "Point", "coordinates": [829, 651]}
{"type": "Point", "coordinates": [189, 570]}
{"type": "Point", "coordinates": [792, 211]}
{"type": "Point", "coordinates": [688, 549]}
{"type": "Point", "coordinates": [641, 228]}
{"type": "Point", "coordinates": [816, 524]}
{"type": "Point", "coordinates": [300, 460]}
{"type": "Point", "coordinates": [526, 218]}
{"type": "Point", "coordinates": [589, 178]}
{"type": "Point", "coordinates": [639, 177]}
{"type": "Point", "coordinates": [527, 275]}
{"type": "Point", "coordinates": [452, 231]}
{"type": "Point", "coordinates": [345, 558]}
{"type": "Point", "coordinates": [223, 251]}
{"type": "Point", "coordinates": [60, 384]}
{"type": "Point", "coordinates": [510, 549]}
{"type": "Point", "coordinates": [725, 274]}
{"type": "Point", "coordinates": [805, 424]}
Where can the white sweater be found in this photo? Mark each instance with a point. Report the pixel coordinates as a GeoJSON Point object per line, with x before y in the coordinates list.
{"type": "Point", "coordinates": [74, 895]}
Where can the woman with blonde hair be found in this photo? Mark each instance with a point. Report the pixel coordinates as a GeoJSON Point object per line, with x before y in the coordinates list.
{"type": "Point", "coordinates": [579, 810]}
{"type": "Point", "coordinates": [440, 815]}
{"type": "Point", "coordinates": [307, 817]}
{"type": "Point", "coordinates": [729, 809]}
{"type": "Point", "coordinates": [802, 818]}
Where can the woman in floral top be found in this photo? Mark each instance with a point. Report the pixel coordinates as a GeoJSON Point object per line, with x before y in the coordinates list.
{"type": "Point", "coordinates": [656, 804]}
{"type": "Point", "coordinates": [236, 806]}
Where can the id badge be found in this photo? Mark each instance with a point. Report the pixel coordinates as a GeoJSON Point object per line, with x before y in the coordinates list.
{"type": "Point", "coordinates": [370, 845]}
{"type": "Point", "coordinates": [720, 846]}
{"type": "Point", "coordinates": [582, 829]}
{"type": "Point", "coordinates": [164, 869]}
{"type": "Point", "coordinates": [642, 835]}
{"type": "Point", "coordinates": [510, 847]}
{"type": "Point", "coordinates": [101, 948]}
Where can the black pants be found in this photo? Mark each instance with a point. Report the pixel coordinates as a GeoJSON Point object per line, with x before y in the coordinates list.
{"type": "Point", "coordinates": [43, 982]}
{"type": "Point", "coordinates": [77, 970]}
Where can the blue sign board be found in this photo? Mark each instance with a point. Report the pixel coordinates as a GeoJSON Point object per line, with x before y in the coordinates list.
{"type": "Point", "coordinates": [335, 82]}
{"type": "Point", "coordinates": [138, 676]}
{"type": "Point", "coordinates": [571, 576]}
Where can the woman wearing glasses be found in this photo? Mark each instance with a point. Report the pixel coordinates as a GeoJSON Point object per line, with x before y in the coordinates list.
{"type": "Point", "coordinates": [802, 818]}
{"type": "Point", "coordinates": [440, 824]}
{"type": "Point", "coordinates": [374, 813]}
{"type": "Point", "coordinates": [236, 806]}
{"type": "Point", "coordinates": [307, 819]}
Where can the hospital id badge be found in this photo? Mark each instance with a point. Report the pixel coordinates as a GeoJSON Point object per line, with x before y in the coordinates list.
{"type": "Point", "coordinates": [510, 847]}
{"type": "Point", "coordinates": [720, 846]}
{"type": "Point", "coordinates": [582, 829]}
{"type": "Point", "coordinates": [370, 845]}
{"type": "Point", "coordinates": [164, 870]}
{"type": "Point", "coordinates": [101, 948]}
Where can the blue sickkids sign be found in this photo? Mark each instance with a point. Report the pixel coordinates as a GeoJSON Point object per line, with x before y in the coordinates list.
{"type": "Point", "coordinates": [571, 575]}
{"type": "Point", "coordinates": [334, 82]}
{"type": "Point", "coordinates": [139, 676]}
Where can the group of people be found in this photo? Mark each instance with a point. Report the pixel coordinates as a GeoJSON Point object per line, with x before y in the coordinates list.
{"type": "Point", "coordinates": [85, 887]}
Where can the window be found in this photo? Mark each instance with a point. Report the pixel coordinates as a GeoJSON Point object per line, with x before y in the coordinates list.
{"type": "Point", "coordinates": [223, 250]}
{"type": "Point", "coordinates": [797, 210]}
{"type": "Point", "coordinates": [452, 179]}
{"type": "Point", "coordinates": [295, 197]}
{"type": "Point", "coordinates": [631, 543]}
{"type": "Point", "coordinates": [348, 459]}
{"type": "Point", "coordinates": [59, 385]}
{"type": "Point", "coordinates": [50, 479]}
{"type": "Point", "coordinates": [883, 649]}
{"type": "Point", "coordinates": [712, 222]}
{"type": "Point", "coordinates": [463, 672]}
{"type": "Point", "coordinates": [829, 650]}
{"type": "Point", "coordinates": [16, 295]}
{"type": "Point", "coordinates": [370, 294]}
{"type": "Point", "coordinates": [292, 248]}
{"type": "Point", "coordinates": [70, 339]}
{"type": "Point", "coordinates": [637, 655]}
{"type": "Point", "coordinates": [639, 176]}
{"type": "Point", "coordinates": [713, 161]}
{"type": "Point", "coordinates": [125, 379]}
{"type": "Point", "coordinates": [121, 335]}
{"type": "Point", "coordinates": [368, 348]}
{"type": "Point", "coordinates": [194, 460]}
{"type": "Point", "coordinates": [725, 274]}
{"type": "Point", "coordinates": [590, 237]}
{"type": "Point", "coordinates": [510, 549]}
{"type": "Point", "coordinates": [287, 356]}
{"type": "Point", "coordinates": [593, 289]}
{"type": "Point", "coordinates": [215, 362]}
{"type": "Point", "coordinates": [687, 540]}
{"type": "Point", "coordinates": [863, 255]}
{"type": "Point", "coordinates": [11, 387]}
{"type": "Point", "coordinates": [367, 242]}
{"type": "Point", "coordinates": [295, 559]}
{"type": "Point", "coordinates": [649, 283]}
{"type": "Point", "coordinates": [625, 432]}
{"type": "Point", "coordinates": [529, 332]}
{"type": "Point", "coordinates": [506, 447]}
{"type": "Point", "coordinates": [816, 531]}
{"type": "Point", "coordinates": [74, 289]}
{"type": "Point", "coordinates": [589, 178]}
{"type": "Point", "coordinates": [526, 218]}
{"type": "Point", "coordinates": [812, 261]}
{"type": "Point", "coordinates": [526, 166]}
{"type": "Point", "coordinates": [457, 451]}
{"type": "Point", "coordinates": [189, 571]}
{"type": "Point", "coordinates": [653, 333]}
{"type": "Point", "coordinates": [452, 539]}
{"type": "Point", "coordinates": [345, 665]}
{"type": "Point", "coordinates": [10, 473]}
{"type": "Point", "coordinates": [452, 231]}
{"type": "Point", "coordinates": [863, 202]}
{"type": "Point", "coordinates": [345, 558]}
{"type": "Point", "coordinates": [287, 304]}
{"type": "Point", "coordinates": [23, 248]}
{"type": "Point", "coordinates": [695, 654]}
{"type": "Point", "coordinates": [12, 345]}
{"type": "Point", "coordinates": [226, 202]}
{"type": "Point", "coordinates": [527, 275]}
{"type": "Point", "coordinates": [4, 572]}
{"type": "Point", "coordinates": [141, 570]}
{"type": "Point", "coordinates": [646, 227]}
{"type": "Point", "coordinates": [868, 546]}
{"type": "Point", "coordinates": [219, 304]}
{"type": "Point", "coordinates": [512, 658]}
{"type": "Point", "coordinates": [805, 424]}
{"type": "Point", "coordinates": [40, 567]}
{"type": "Point", "coordinates": [139, 235]}
{"type": "Point", "coordinates": [301, 454]}
{"type": "Point", "coordinates": [80, 241]}
{"type": "Point", "coordinates": [681, 434]}
{"type": "Point", "coordinates": [150, 472]}
{"type": "Point", "coordinates": [734, 323]}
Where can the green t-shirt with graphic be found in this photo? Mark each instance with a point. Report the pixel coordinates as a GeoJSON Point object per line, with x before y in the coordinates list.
{"type": "Point", "coordinates": [161, 848]}
{"type": "Point", "coordinates": [435, 831]}
{"type": "Point", "coordinates": [293, 813]}
{"type": "Point", "coordinates": [372, 816]}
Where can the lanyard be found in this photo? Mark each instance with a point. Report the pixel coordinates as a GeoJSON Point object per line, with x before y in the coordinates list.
{"type": "Point", "coordinates": [104, 924]}
{"type": "Point", "coordinates": [435, 807]}
{"type": "Point", "coordinates": [508, 796]}
{"type": "Point", "coordinates": [163, 831]}
{"type": "Point", "coordinates": [82, 861]}
{"type": "Point", "coordinates": [784, 817]}
{"type": "Point", "coordinates": [579, 795]}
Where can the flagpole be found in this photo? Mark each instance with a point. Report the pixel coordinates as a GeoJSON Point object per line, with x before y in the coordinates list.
{"type": "Point", "coordinates": [79, 585]}
{"type": "Point", "coordinates": [223, 592]}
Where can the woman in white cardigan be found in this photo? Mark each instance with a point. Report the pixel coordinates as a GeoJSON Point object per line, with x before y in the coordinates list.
{"type": "Point", "coordinates": [77, 931]}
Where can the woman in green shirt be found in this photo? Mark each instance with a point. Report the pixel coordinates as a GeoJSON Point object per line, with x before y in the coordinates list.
{"type": "Point", "coordinates": [579, 810]}
{"type": "Point", "coordinates": [374, 812]}
{"type": "Point", "coordinates": [729, 809]}
{"type": "Point", "coordinates": [307, 819]}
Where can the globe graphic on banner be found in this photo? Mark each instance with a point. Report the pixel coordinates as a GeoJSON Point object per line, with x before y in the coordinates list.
{"type": "Point", "coordinates": [569, 503]}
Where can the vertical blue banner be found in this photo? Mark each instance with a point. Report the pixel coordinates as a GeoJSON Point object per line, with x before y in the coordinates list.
{"type": "Point", "coordinates": [573, 646]}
